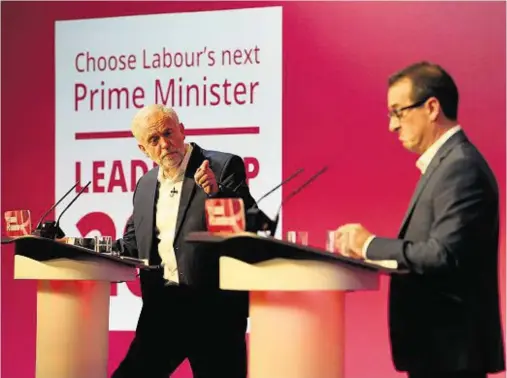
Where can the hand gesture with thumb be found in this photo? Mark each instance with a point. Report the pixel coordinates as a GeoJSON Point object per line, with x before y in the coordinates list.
{"type": "Point", "coordinates": [205, 178]}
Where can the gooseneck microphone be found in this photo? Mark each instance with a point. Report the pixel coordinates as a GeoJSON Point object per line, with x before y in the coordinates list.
{"type": "Point", "coordinates": [55, 205]}
{"type": "Point", "coordinates": [51, 229]}
{"type": "Point", "coordinates": [292, 195]}
{"type": "Point", "coordinates": [256, 219]}
{"type": "Point", "coordinates": [300, 170]}
{"type": "Point", "coordinates": [70, 204]}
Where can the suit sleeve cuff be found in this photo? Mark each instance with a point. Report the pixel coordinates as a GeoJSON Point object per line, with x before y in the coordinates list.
{"type": "Point", "coordinates": [366, 245]}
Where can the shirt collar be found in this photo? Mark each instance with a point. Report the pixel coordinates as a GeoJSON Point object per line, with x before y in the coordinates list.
{"type": "Point", "coordinates": [425, 159]}
{"type": "Point", "coordinates": [181, 170]}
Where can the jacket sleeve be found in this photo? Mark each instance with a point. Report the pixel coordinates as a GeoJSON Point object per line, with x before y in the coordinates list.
{"type": "Point", "coordinates": [233, 180]}
{"type": "Point", "coordinates": [127, 244]}
{"type": "Point", "coordinates": [465, 206]}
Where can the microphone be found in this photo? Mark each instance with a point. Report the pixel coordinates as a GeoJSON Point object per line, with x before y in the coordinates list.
{"type": "Point", "coordinates": [51, 229]}
{"type": "Point", "coordinates": [274, 223]}
{"type": "Point", "coordinates": [55, 205]}
{"type": "Point", "coordinates": [57, 226]}
{"type": "Point", "coordinates": [256, 219]}
{"type": "Point", "coordinates": [300, 170]}
{"type": "Point", "coordinates": [230, 178]}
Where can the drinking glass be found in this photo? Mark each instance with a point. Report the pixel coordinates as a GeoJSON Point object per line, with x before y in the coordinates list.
{"type": "Point", "coordinates": [103, 244]}
{"type": "Point", "coordinates": [298, 237]}
{"type": "Point", "coordinates": [330, 243]}
{"type": "Point", "coordinates": [330, 237]}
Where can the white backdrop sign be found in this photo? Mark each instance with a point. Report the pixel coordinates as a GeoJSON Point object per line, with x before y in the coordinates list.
{"type": "Point", "coordinates": [220, 70]}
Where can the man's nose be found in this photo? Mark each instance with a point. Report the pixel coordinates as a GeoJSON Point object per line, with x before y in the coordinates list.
{"type": "Point", "coordinates": [165, 142]}
{"type": "Point", "coordinates": [394, 124]}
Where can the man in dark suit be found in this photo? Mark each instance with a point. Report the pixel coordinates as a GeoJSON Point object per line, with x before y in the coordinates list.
{"type": "Point", "coordinates": [444, 315]}
{"type": "Point", "coordinates": [184, 314]}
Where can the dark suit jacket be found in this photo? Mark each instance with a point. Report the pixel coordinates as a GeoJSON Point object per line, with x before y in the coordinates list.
{"type": "Point", "coordinates": [444, 315]}
{"type": "Point", "coordinates": [197, 264]}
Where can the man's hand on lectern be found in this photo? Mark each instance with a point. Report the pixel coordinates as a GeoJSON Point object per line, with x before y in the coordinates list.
{"type": "Point", "coordinates": [350, 239]}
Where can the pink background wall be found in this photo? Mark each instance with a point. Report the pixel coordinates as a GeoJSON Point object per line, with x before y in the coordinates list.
{"type": "Point", "coordinates": [337, 57]}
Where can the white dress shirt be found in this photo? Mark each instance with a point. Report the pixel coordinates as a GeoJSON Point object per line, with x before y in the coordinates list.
{"type": "Point", "coordinates": [425, 159]}
{"type": "Point", "coordinates": [169, 194]}
{"type": "Point", "coordinates": [422, 164]}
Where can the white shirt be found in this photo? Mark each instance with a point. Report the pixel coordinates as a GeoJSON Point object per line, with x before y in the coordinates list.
{"type": "Point", "coordinates": [422, 164]}
{"type": "Point", "coordinates": [168, 202]}
{"type": "Point", "coordinates": [425, 159]}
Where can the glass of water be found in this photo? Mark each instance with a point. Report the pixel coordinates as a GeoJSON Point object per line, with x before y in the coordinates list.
{"type": "Point", "coordinates": [298, 237]}
{"type": "Point", "coordinates": [103, 244]}
{"type": "Point", "coordinates": [330, 241]}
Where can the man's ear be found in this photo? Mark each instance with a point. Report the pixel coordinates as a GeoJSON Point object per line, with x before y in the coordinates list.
{"type": "Point", "coordinates": [182, 130]}
{"type": "Point", "coordinates": [434, 109]}
{"type": "Point", "coordinates": [143, 150]}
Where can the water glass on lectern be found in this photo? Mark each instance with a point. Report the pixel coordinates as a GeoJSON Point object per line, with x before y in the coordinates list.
{"type": "Point", "coordinates": [331, 245]}
{"type": "Point", "coordinates": [103, 244]}
{"type": "Point", "coordinates": [298, 237]}
{"type": "Point", "coordinates": [330, 237]}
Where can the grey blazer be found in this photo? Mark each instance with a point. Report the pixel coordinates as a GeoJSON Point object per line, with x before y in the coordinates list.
{"type": "Point", "coordinates": [444, 316]}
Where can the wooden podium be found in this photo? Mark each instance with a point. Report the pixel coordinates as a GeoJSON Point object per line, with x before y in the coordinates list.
{"type": "Point", "coordinates": [73, 289]}
{"type": "Point", "coordinates": [297, 301]}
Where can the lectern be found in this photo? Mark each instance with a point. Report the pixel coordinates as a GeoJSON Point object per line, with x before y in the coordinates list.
{"type": "Point", "coordinates": [73, 289]}
{"type": "Point", "coordinates": [297, 301]}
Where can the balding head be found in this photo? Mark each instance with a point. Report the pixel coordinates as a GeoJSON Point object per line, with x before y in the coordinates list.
{"type": "Point", "coordinates": [160, 135]}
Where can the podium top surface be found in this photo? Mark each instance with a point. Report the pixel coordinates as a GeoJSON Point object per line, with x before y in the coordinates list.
{"type": "Point", "coordinates": [44, 249]}
{"type": "Point", "coordinates": [252, 248]}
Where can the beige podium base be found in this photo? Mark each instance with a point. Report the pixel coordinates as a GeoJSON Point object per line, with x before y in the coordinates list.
{"type": "Point", "coordinates": [72, 329]}
{"type": "Point", "coordinates": [296, 334]}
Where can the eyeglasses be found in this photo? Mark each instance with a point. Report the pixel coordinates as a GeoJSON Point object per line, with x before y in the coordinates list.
{"type": "Point", "coordinates": [398, 112]}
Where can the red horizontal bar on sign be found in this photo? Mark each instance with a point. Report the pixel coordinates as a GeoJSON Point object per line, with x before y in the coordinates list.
{"type": "Point", "coordinates": [190, 132]}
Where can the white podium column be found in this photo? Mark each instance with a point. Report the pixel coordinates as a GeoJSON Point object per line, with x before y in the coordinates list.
{"type": "Point", "coordinates": [297, 334]}
{"type": "Point", "coordinates": [72, 329]}
{"type": "Point", "coordinates": [73, 289]}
